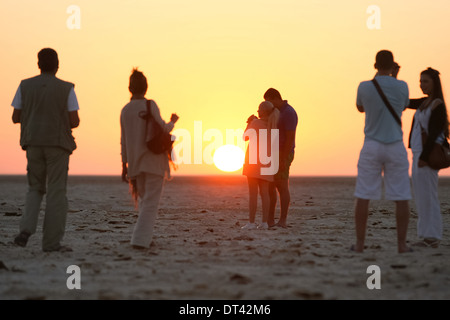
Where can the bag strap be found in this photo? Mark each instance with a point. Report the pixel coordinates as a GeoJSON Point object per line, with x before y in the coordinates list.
{"type": "Point", "coordinates": [386, 102]}
{"type": "Point", "coordinates": [148, 116]}
{"type": "Point", "coordinates": [149, 113]}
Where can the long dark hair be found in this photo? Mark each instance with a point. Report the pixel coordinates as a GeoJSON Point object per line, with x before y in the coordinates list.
{"type": "Point", "coordinates": [437, 93]}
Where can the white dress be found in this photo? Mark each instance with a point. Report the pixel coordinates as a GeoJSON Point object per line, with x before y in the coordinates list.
{"type": "Point", "coordinates": [425, 182]}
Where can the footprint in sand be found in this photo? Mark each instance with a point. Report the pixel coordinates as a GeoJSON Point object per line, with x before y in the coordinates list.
{"type": "Point", "coordinates": [398, 266]}
{"type": "Point", "coordinates": [240, 279]}
{"type": "Point", "coordinates": [100, 230]}
{"type": "Point", "coordinates": [3, 266]}
{"type": "Point", "coordinates": [12, 214]}
{"type": "Point", "coordinates": [308, 295]}
{"type": "Point", "coordinates": [208, 243]}
{"type": "Point", "coordinates": [121, 257]}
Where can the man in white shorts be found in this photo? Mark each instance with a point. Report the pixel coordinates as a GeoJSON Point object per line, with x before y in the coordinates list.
{"type": "Point", "coordinates": [383, 150]}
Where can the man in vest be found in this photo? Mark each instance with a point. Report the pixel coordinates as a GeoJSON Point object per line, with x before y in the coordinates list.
{"type": "Point", "coordinates": [47, 110]}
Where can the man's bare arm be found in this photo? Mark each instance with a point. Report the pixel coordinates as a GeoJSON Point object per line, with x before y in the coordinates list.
{"type": "Point", "coordinates": [74, 119]}
{"type": "Point", "coordinates": [16, 115]}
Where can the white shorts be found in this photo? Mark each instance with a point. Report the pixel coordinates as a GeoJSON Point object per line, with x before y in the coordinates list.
{"type": "Point", "coordinates": [377, 158]}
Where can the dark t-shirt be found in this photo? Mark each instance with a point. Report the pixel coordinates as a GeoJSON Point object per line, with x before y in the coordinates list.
{"type": "Point", "coordinates": [288, 121]}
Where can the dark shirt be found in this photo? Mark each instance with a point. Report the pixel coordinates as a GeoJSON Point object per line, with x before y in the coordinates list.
{"type": "Point", "coordinates": [436, 126]}
{"type": "Point", "coordinates": [288, 121]}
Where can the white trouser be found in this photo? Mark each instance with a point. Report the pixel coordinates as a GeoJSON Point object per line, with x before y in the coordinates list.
{"type": "Point", "coordinates": [150, 187]}
{"type": "Point", "coordinates": [425, 185]}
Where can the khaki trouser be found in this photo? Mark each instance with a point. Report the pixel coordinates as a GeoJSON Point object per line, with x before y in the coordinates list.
{"type": "Point", "coordinates": [47, 173]}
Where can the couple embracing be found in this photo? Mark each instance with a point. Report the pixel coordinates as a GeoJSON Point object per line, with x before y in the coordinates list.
{"type": "Point", "coordinates": [271, 133]}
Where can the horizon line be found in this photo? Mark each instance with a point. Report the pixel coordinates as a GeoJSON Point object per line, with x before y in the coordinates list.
{"type": "Point", "coordinates": [218, 175]}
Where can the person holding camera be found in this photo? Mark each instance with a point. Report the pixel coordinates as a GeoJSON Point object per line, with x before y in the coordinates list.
{"type": "Point", "coordinates": [430, 125]}
{"type": "Point", "coordinates": [383, 101]}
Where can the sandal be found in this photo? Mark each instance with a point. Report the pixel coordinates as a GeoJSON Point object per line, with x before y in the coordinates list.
{"type": "Point", "coordinates": [22, 239]}
{"type": "Point", "coordinates": [263, 226]}
{"type": "Point", "coordinates": [428, 242]}
{"type": "Point", "coordinates": [353, 249]}
{"type": "Point", "coordinates": [249, 226]}
{"type": "Point", "coordinates": [59, 249]}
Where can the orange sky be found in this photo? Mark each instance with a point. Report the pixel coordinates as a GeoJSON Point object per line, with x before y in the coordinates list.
{"type": "Point", "coordinates": [212, 61]}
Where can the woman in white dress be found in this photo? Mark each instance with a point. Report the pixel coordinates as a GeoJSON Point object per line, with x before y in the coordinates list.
{"type": "Point", "coordinates": [431, 120]}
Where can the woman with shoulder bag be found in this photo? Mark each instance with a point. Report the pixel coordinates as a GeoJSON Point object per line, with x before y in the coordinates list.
{"type": "Point", "coordinates": [430, 126]}
{"type": "Point", "coordinates": [143, 169]}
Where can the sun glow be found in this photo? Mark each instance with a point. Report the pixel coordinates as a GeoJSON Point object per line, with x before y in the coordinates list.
{"type": "Point", "coordinates": [229, 158]}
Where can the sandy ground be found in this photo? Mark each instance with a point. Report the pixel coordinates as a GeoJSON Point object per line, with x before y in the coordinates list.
{"type": "Point", "coordinates": [200, 252]}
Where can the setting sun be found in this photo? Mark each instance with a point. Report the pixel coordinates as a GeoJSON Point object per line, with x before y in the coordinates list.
{"type": "Point", "coordinates": [229, 158]}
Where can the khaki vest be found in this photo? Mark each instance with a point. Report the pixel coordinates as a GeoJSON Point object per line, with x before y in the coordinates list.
{"type": "Point", "coordinates": [44, 118]}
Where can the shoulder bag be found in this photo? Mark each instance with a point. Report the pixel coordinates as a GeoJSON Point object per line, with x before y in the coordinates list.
{"type": "Point", "coordinates": [158, 141]}
{"type": "Point", "coordinates": [439, 157]}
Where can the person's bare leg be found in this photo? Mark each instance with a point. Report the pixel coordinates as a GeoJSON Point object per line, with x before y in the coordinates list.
{"type": "Point", "coordinates": [265, 199]}
{"type": "Point", "coordinates": [285, 199]}
{"type": "Point", "coordinates": [402, 216]}
{"type": "Point", "coordinates": [361, 215]}
{"type": "Point", "coordinates": [253, 198]}
{"type": "Point", "coordinates": [272, 204]}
